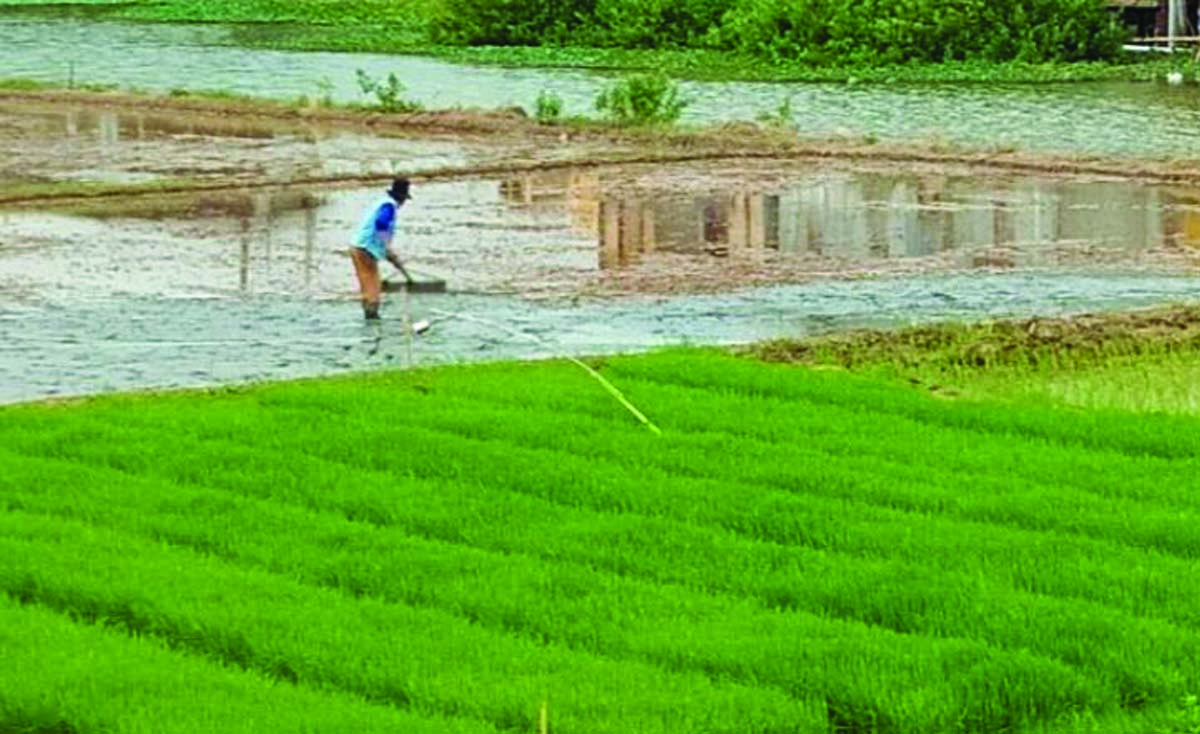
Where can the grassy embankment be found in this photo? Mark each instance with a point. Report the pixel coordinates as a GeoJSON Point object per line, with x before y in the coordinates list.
{"type": "Point", "coordinates": [405, 26]}
{"type": "Point", "coordinates": [1140, 360]}
{"type": "Point", "coordinates": [451, 550]}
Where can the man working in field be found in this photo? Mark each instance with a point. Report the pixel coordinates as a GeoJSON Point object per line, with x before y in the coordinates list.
{"type": "Point", "coordinates": [374, 243]}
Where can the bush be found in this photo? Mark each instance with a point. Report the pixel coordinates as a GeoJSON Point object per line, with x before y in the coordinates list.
{"type": "Point", "coordinates": [898, 31]}
{"type": "Point", "coordinates": [654, 23]}
{"type": "Point", "coordinates": [387, 93]}
{"type": "Point", "coordinates": [814, 31]}
{"type": "Point", "coordinates": [644, 99]}
{"type": "Point", "coordinates": [549, 107]}
{"type": "Point", "coordinates": [510, 22]}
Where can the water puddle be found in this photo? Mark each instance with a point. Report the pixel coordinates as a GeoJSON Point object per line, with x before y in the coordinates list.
{"type": "Point", "coordinates": [255, 284]}
{"type": "Point", "coordinates": [1121, 119]}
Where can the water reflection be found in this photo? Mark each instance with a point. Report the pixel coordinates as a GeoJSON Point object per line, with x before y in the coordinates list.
{"type": "Point", "coordinates": [857, 217]}
{"type": "Point", "coordinates": [248, 242]}
{"type": "Point", "coordinates": [262, 215]}
{"type": "Point", "coordinates": [65, 142]}
{"type": "Point", "coordinates": [113, 126]}
{"type": "Point", "coordinates": [621, 230]}
{"type": "Point", "coordinates": [72, 143]}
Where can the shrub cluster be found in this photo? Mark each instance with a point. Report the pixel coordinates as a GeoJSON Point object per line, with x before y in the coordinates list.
{"type": "Point", "coordinates": [813, 31]}
{"type": "Point", "coordinates": [643, 99]}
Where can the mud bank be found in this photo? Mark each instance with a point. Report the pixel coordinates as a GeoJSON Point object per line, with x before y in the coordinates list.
{"type": "Point", "coordinates": [105, 148]}
{"type": "Point", "coordinates": [201, 145]}
{"type": "Point", "coordinates": [1076, 339]}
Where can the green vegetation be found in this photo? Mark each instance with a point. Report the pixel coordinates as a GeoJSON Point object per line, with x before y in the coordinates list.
{"type": "Point", "coordinates": [62, 676]}
{"type": "Point", "coordinates": [783, 117]}
{"type": "Point", "coordinates": [27, 189]}
{"type": "Point", "coordinates": [815, 31]}
{"type": "Point", "coordinates": [1046, 40]}
{"type": "Point", "coordinates": [387, 93]}
{"type": "Point", "coordinates": [642, 99]}
{"type": "Point", "coordinates": [1139, 361]}
{"type": "Point", "coordinates": [33, 85]}
{"type": "Point", "coordinates": [801, 550]}
{"type": "Point", "coordinates": [548, 108]}
{"type": "Point", "coordinates": [24, 85]}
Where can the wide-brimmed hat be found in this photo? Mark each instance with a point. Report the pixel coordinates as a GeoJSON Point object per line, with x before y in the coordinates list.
{"type": "Point", "coordinates": [399, 190]}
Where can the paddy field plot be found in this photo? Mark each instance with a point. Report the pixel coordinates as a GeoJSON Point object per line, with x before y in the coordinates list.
{"type": "Point", "coordinates": [482, 548]}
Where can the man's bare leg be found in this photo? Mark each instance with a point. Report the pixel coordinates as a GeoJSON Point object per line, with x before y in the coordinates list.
{"type": "Point", "coordinates": [369, 283]}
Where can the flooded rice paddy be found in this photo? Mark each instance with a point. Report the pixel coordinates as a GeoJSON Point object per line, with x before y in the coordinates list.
{"type": "Point", "coordinates": [55, 143]}
{"type": "Point", "coordinates": [1110, 119]}
{"type": "Point", "coordinates": [208, 288]}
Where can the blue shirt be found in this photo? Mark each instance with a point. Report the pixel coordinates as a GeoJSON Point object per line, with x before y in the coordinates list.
{"type": "Point", "coordinates": [377, 228]}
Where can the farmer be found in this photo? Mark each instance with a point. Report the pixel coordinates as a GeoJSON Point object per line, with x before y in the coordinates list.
{"type": "Point", "coordinates": [374, 243]}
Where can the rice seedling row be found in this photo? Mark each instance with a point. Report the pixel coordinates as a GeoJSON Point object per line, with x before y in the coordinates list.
{"type": "Point", "coordinates": [1134, 434]}
{"type": "Point", "coordinates": [919, 484]}
{"type": "Point", "coordinates": [671, 625]}
{"type": "Point", "coordinates": [681, 409]}
{"type": "Point", "coordinates": [62, 676]}
{"type": "Point", "coordinates": [663, 623]}
{"type": "Point", "coordinates": [888, 580]}
{"type": "Point", "coordinates": [386, 652]}
{"type": "Point", "coordinates": [1037, 561]}
{"type": "Point", "coordinates": [523, 526]}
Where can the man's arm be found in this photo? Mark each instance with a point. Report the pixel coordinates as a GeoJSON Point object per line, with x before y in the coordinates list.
{"type": "Point", "coordinates": [394, 259]}
{"type": "Point", "coordinates": [385, 223]}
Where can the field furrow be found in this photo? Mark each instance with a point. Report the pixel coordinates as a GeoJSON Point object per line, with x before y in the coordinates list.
{"type": "Point", "coordinates": [1144, 657]}
{"type": "Point", "coordinates": [799, 551]}
{"type": "Point", "coordinates": [385, 652]}
{"type": "Point", "coordinates": [1044, 562]}
{"type": "Point", "coordinates": [1133, 434]}
{"type": "Point", "coordinates": [841, 430]}
{"type": "Point", "coordinates": [61, 675]}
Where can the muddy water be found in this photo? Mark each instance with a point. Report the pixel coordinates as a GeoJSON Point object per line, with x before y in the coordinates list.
{"type": "Point", "coordinates": [255, 285]}
{"type": "Point", "coordinates": [69, 143]}
{"type": "Point", "coordinates": [1112, 119]}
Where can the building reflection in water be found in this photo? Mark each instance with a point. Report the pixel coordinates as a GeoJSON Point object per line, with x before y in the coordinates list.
{"type": "Point", "coordinates": [199, 139]}
{"type": "Point", "coordinates": [112, 126]}
{"type": "Point", "coordinates": [261, 215]}
{"type": "Point", "coordinates": [859, 217]}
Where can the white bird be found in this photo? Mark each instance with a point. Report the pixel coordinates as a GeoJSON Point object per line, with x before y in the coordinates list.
{"type": "Point", "coordinates": [1175, 78]}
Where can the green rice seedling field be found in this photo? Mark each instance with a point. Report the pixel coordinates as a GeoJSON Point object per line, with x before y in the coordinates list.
{"type": "Point", "coordinates": [504, 548]}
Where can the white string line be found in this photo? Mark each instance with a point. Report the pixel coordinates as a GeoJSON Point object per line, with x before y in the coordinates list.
{"type": "Point", "coordinates": [587, 368]}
